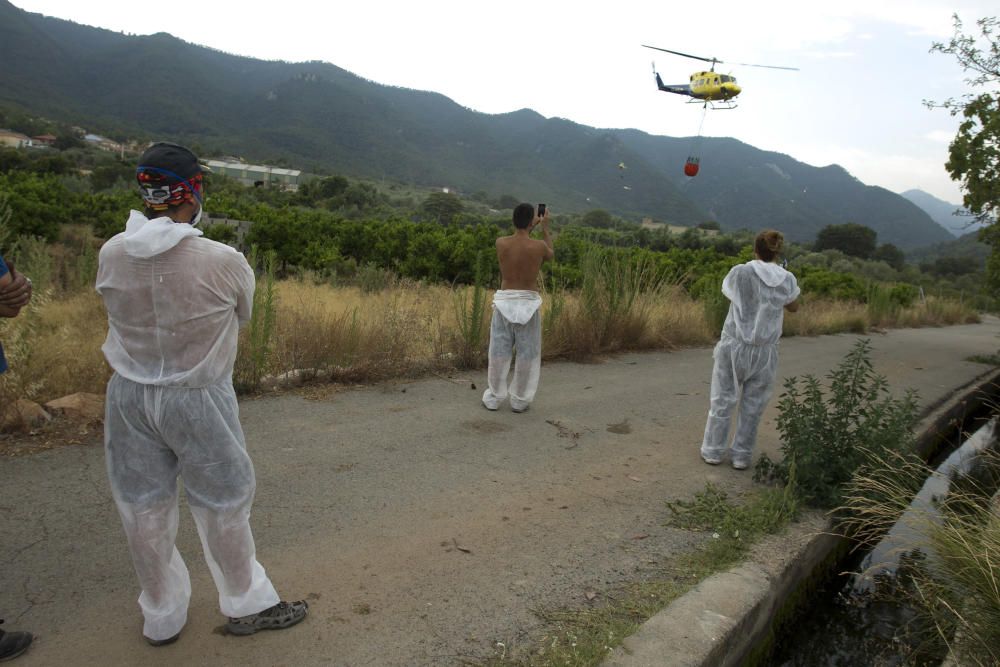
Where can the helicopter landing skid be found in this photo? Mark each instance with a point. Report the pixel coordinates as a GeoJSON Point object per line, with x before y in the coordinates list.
{"type": "Point", "coordinates": [716, 105]}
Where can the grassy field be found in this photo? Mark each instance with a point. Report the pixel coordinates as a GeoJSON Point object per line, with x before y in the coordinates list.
{"type": "Point", "coordinates": [407, 329]}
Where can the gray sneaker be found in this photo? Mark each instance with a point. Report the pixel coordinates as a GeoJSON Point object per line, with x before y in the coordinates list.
{"type": "Point", "coordinates": [13, 644]}
{"type": "Point", "coordinates": [162, 642]}
{"type": "Point", "coordinates": [280, 616]}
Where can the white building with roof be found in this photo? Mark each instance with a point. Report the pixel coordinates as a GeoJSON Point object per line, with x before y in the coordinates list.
{"type": "Point", "coordinates": [257, 174]}
{"type": "Point", "coordinates": [14, 139]}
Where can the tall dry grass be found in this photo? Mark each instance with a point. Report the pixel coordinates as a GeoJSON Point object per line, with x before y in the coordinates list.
{"type": "Point", "coordinates": [954, 586]}
{"type": "Point", "coordinates": [53, 348]}
{"type": "Point", "coordinates": [354, 335]}
{"type": "Point", "coordinates": [346, 334]}
{"type": "Point", "coordinates": [823, 316]}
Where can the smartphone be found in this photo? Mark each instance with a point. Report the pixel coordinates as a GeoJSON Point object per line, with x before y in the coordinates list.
{"type": "Point", "coordinates": [541, 210]}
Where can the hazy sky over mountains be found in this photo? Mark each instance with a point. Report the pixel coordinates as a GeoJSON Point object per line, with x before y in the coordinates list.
{"type": "Point", "coordinates": [857, 101]}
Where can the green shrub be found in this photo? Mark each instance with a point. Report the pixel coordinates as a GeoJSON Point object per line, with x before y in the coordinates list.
{"type": "Point", "coordinates": [471, 318]}
{"type": "Point", "coordinates": [373, 279]}
{"type": "Point", "coordinates": [257, 345]}
{"type": "Point", "coordinates": [614, 284]}
{"type": "Point", "coordinates": [840, 286]}
{"type": "Point", "coordinates": [715, 303]}
{"type": "Point", "coordinates": [827, 435]}
{"type": "Point", "coordinates": [221, 232]}
{"type": "Point", "coordinates": [881, 306]}
{"type": "Point", "coordinates": [903, 295]}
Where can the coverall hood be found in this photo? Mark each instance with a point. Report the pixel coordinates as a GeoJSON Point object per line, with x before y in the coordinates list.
{"type": "Point", "coordinates": [772, 274]}
{"type": "Point", "coordinates": [146, 238]}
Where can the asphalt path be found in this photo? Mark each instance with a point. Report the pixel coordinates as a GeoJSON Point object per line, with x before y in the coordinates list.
{"type": "Point", "coordinates": [423, 529]}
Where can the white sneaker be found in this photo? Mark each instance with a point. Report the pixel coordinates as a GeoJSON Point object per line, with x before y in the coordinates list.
{"type": "Point", "coordinates": [741, 464]}
{"type": "Point", "coordinates": [711, 460]}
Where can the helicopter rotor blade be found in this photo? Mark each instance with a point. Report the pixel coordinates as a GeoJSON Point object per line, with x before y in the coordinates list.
{"type": "Point", "coordinates": [794, 69]}
{"type": "Point", "coordinates": [686, 55]}
{"type": "Point", "coordinates": [716, 60]}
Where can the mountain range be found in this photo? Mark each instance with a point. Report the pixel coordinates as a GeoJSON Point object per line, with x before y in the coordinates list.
{"type": "Point", "coordinates": [316, 115]}
{"type": "Point", "coordinates": [950, 216]}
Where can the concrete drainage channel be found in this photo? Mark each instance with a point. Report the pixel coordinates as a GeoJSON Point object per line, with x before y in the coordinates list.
{"type": "Point", "coordinates": [731, 617]}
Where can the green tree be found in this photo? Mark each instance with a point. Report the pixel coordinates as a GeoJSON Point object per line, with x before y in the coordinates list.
{"type": "Point", "coordinates": [891, 255]}
{"type": "Point", "coordinates": [951, 266]}
{"type": "Point", "coordinates": [221, 233]}
{"type": "Point", "coordinates": [850, 238]}
{"type": "Point", "coordinates": [67, 140]}
{"type": "Point", "coordinates": [507, 201]}
{"type": "Point", "coordinates": [974, 153]}
{"type": "Point", "coordinates": [597, 218]}
{"type": "Point", "coordinates": [442, 207]}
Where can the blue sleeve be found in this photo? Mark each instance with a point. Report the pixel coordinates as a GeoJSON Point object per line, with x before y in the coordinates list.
{"type": "Point", "coordinates": [3, 271]}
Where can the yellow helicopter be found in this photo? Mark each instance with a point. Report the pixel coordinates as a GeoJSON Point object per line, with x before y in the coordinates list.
{"type": "Point", "coordinates": [710, 88]}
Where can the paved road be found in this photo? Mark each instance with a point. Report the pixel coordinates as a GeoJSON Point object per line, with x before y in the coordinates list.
{"type": "Point", "coordinates": [422, 528]}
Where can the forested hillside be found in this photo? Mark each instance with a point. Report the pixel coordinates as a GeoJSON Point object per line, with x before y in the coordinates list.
{"type": "Point", "coordinates": [317, 116]}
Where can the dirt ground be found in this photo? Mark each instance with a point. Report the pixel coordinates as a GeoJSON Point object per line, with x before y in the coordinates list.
{"type": "Point", "coordinates": [422, 528]}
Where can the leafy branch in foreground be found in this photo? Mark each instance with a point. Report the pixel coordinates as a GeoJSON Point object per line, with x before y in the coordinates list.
{"type": "Point", "coordinates": [974, 153]}
{"type": "Point", "coordinates": [828, 434]}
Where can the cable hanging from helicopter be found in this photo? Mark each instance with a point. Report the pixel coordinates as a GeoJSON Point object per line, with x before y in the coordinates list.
{"type": "Point", "coordinates": [692, 165]}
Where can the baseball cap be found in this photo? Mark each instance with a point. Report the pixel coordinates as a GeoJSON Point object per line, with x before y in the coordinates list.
{"type": "Point", "coordinates": [169, 174]}
{"type": "Point", "coordinates": [172, 158]}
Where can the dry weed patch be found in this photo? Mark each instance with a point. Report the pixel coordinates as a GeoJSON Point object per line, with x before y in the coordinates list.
{"type": "Point", "coordinates": [349, 334]}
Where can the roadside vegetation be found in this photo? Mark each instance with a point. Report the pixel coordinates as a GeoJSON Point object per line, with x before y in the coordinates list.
{"type": "Point", "coordinates": [380, 325]}
{"type": "Point", "coordinates": [948, 571]}
{"type": "Point", "coordinates": [360, 283]}
{"type": "Point", "coordinates": [828, 436]}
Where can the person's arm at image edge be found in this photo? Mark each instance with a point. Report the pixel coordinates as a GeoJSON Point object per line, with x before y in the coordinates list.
{"type": "Point", "coordinates": [6, 280]}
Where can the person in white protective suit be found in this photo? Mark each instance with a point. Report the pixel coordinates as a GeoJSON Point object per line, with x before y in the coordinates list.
{"type": "Point", "coordinates": [175, 302]}
{"type": "Point", "coordinates": [746, 357]}
{"type": "Point", "coordinates": [516, 327]}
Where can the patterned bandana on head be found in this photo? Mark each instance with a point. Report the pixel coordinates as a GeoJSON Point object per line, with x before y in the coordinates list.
{"type": "Point", "coordinates": [160, 194]}
{"type": "Point", "coordinates": [169, 175]}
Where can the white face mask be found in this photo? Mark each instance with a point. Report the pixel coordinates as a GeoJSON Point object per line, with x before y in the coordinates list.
{"type": "Point", "coordinates": [197, 218]}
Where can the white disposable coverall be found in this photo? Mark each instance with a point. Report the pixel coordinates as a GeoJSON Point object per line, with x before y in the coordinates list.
{"type": "Point", "coordinates": [746, 357]}
{"type": "Point", "coordinates": [516, 325]}
{"type": "Point", "coordinates": [175, 303]}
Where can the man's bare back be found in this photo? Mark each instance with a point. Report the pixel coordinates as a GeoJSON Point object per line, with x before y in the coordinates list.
{"type": "Point", "coordinates": [521, 256]}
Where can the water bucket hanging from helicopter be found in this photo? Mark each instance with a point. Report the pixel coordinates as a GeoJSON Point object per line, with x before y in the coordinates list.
{"type": "Point", "coordinates": [691, 166]}
{"type": "Point", "coordinates": [693, 162]}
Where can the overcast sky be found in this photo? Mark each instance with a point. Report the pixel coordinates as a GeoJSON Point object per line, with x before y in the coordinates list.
{"type": "Point", "coordinates": [857, 101]}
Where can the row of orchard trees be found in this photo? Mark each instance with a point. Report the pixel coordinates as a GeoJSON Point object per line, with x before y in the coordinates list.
{"type": "Point", "coordinates": [306, 235]}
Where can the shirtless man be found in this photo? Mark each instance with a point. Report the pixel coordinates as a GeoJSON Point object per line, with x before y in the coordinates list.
{"type": "Point", "coordinates": [517, 324]}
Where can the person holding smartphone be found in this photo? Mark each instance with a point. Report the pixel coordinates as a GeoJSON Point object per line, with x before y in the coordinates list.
{"type": "Point", "coordinates": [516, 326]}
